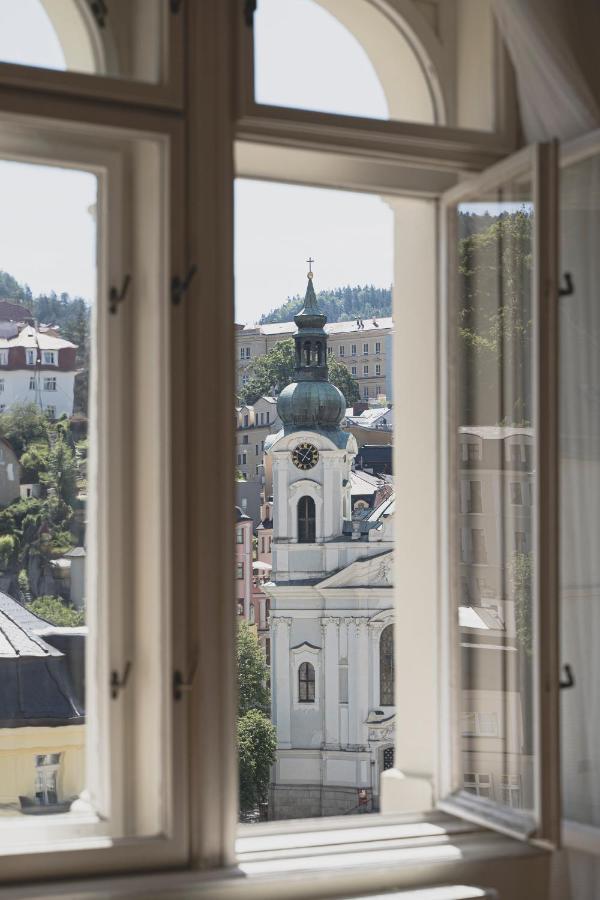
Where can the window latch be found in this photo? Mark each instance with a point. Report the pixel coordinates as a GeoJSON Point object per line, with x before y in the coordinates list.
{"type": "Point", "coordinates": [117, 682]}
{"type": "Point", "coordinates": [569, 680]}
{"type": "Point", "coordinates": [569, 287]}
{"type": "Point", "coordinates": [180, 684]}
{"type": "Point", "coordinates": [115, 296]}
{"type": "Point", "coordinates": [179, 287]}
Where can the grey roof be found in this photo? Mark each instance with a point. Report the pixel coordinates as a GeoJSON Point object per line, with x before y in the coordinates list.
{"type": "Point", "coordinates": [36, 678]}
{"type": "Point", "coordinates": [330, 327]}
{"type": "Point", "coordinates": [363, 483]}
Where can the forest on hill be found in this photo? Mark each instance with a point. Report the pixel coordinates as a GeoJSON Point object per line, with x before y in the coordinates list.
{"type": "Point", "coordinates": [340, 305]}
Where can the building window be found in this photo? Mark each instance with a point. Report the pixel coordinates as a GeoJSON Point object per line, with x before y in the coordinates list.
{"type": "Point", "coordinates": [515, 454]}
{"type": "Point", "coordinates": [520, 542]}
{"type": "Point", "coordinates": [30, 357]}
{"type": "Point", "coordinates": [386, 666]}
{"type": "Point", "coordinates": [247, 352]}
{"type": "Point", "coordinates": [306, 520]}
{"type": "Point", "coordinates": [268, 651]}
{"type": "Point", "coordinates": [306, 683]}
{"type": "Point", "coordinates": [239, 536]}
{"type": "Point", "coordinates": [510, 791]}
{"type": "Point", "coordinates": [252, 618]}
{"type": "Point", "coordinates": [378, 369]}
{"type": "Point", "coordinates": [245, 439]}
{"type": "Point", "coordinates": [516, 493]}
{"type": "Point", "coordinates": [365, 349]}
{"type": "Point", "coordinates": [3, 357]}
{"type": "Point", "coordinates": [268, 417]}
{"type": "Point", "coordinates": [51, 412]}
{"type": "Point", "coordinates": [49, 384]}
{"type": "Point", "coordinates": [262, 418]}
{"type": "Point", "coordinates": [50, 357]}
{"type": "Point", "coordinates": [342, 350]}
{"type": "Point", "coordinates": [244, 458]}
{"type": "Point", "coordinates": [471, 452]}
{"type": "Point", "coordinates": [240, 571]}
{"type": "Point", "coordinates": [241, 352]}
{"type": "Point", "coordinates": [246, 420]}
{"type": "Point", "coordinates": [365, 370]}
{"type": "Point", "coordinates": [479, 724]}
{"type": "Point", "coordinates": [377, 347]}
{"type": "Point", "coordinates": [46, 778]}
{"type": "Point", "coordinates": [354, 370]}
{"type": "Point", "coordinates": [329, 351]}
{"type": "Point", "coordinates": [365, 393]}
{"type": "Point", "coordinates": [32, 384]}
{"type": "Point", "coordinates": [474, 504]}
{"type": "Point", "coordinates": [353, 349]}
{"type": "Point", "coordinates": [481, 785]}
{"type": "Point", "coordinates": [377, 393]}
{"type": "Point", "coordinates": [244, 379]}
{"type": "Point", "coordinates": [478, 551]}
{"type": "Point", "coordinates": [256, 449]}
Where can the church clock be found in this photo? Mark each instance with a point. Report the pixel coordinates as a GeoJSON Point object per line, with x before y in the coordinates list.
{"type": "Point", "coordinates": [305, 456]}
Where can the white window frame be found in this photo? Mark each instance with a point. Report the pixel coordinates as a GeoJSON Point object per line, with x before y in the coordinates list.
{"type": "Point", "coordinates": [3, 357]}
{"type": "Point", "coordinates": [50, 384]}
{"type": "Point", "coordinates": [122, 527]}
{"type": "Point", "coordinates": [50, 357]}
{"type": "Point", "coordinates": [30, 356]}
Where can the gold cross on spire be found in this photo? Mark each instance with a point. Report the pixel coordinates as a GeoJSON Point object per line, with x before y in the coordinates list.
{"type": "Point", "coordinates": [310, 261]}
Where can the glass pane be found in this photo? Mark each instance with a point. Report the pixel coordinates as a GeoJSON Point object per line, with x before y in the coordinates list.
{"type": "Point", "coordinates": [495, 490]}
{"type": "Point", "coordinates": [47, 296]}
{"type": "Point", "coordinates": [114, 38]}
{"type": "Point", "coordinates": [580, 489]}
{"type": "Point", "coordinates": [347, 57]}
{"type": "Point", "coordinates": [315, 500]}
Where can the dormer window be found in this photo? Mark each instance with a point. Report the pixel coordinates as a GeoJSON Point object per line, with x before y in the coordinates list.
{"type": "Point", "coordinates": [50, 357]}
{"type": "Point", "coordinates": [30, 357]}
{"type": "Point", "coordinates": [3, 357]}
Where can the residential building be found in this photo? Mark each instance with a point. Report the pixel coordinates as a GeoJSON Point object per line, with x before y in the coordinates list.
{"type": "Point", "coordinates": [365, 350]}
{"type": "Point", "coordinates": [331, 602]}
{"type": "Point", "coordinates": [254, 424]}
{"type": "Point", "coordinates": [42, 716]}
{"type": "Point", "coordinates": [243, 564]}
{"type": "Point", "coordinates": [36, 365]}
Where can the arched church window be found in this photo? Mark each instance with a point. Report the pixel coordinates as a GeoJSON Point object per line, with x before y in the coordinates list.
{"type": "Point", "coordinates": [306, 520]}
{"type": "Point", "coordinates": [386, 666]}
{"type": "Point", "coordinates": [307, 353]}
{"type": "Point", "coordinates": [318, 353]}
{"type": "Point", "coordinates": [306, 683]}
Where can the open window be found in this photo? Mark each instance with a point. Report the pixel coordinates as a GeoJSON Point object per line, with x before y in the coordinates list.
{"type": "Point", "coordinates": [499, 327]}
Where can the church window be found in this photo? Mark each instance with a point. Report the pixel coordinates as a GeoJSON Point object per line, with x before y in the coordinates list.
{"type": "Point", "coordinates": [306, 353]}
{"type": "Point", "coordinates": [318, 355]}
{"type": "Point", "coordinates": [306, 683]}
{"type": "Point", "coordinates": [386, 666]}
{"type": "Point", "coordinates": [306, 520]}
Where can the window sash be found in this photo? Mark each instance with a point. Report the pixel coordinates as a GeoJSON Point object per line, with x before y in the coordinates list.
{"type": "Point", "coordinates": [541, 162]}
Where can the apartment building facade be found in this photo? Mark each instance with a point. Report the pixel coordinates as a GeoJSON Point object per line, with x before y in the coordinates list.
{"type": "Point", "coordinates": [253, 425]}
{"type": "Point", "coordinates": [363, 346]}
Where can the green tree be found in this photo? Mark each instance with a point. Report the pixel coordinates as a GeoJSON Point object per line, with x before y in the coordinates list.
{"type": "Point", "coordinates": [256, 734]}
{"type": "Point", "coordinates": [34, 462]}
{"type": "Point", "coordinates": [521, 582]}
{"type": "Point", "coordinates": [7, 550]}
{"type": "Point", "coordinates": [339, 305]}
{"type": "Point", "coordinates": [269, 374]}
{"type": "Point", "coordinates": [56, 611]}
{"type": "Point", "coordinates": [256, 755]}
{"type": "Point", "coordinates": [23, 424]}
{"type": "Point", "coordinates": [252, 672]}
{"type": "Point", "coordinates": [61, 474]}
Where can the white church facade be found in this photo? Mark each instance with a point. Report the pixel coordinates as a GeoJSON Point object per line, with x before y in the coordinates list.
{"type": "Point", "coordinates": [332, 666]}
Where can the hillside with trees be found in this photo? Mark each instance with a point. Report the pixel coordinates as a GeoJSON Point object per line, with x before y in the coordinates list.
{"type": "Point", "coordinates": [340, 305]}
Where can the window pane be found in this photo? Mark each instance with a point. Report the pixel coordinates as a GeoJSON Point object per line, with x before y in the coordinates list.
{"type": "Point", "coordinates": [364, 63]}
{"type": "Point", "coordinates": [114, 38]}
{"type": "Point", "coordinates": [317, 721]}
{"type": "Point", "coordinates": [47, 300]}
{"type": "Point", "coordinates": [579, 381]}
{"type": "Point", "coordinates": [495, 454]}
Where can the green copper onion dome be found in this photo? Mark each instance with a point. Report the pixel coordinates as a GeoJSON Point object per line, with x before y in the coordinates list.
{"type": "Point", "coordinates": [311, 401]}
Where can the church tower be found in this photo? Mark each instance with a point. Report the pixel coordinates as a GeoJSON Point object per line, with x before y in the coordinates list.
{"type": "Point", "coordinates": [311, 458]}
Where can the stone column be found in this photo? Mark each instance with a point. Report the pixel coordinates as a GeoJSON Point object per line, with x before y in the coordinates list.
{"type": "Point", "coordinates": [358, 681]}
{"type": "Point", "coordinates": [280, 680]}
{"type": "Point", "coordinates": [330, 628]}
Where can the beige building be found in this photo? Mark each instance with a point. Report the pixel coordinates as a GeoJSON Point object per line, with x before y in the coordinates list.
{"type": "Point", "coordinates": [254, 424]}
{"type": "Point", "coordinates": [365, 350]}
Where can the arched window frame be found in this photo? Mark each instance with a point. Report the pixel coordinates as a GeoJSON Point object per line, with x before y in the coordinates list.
{"type": "Point", "coordinates": [305, 653]}
{"type": "Point", "coordinates": [306, 683]}
{"type": "Point", "coordinates": [306, 517]}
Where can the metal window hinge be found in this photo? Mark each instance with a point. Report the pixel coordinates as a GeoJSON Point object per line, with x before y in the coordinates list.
{"type": "Point", "coordinates": [180, 684]}
{"type": "Point", "coordinates": [117, 682]}
{"type": "Point", "coordinates": [99, 10]}
{"type": "Point", "coordinates": [569, 680]}
{"type": "Point", "coordinates": [115, 296]}
{"type": "Point", "coordinates": [179, 287]}
{"type": "Point", "coordinates": [569, 287]}
{"type": "Point", "coordinates": [249, 10]}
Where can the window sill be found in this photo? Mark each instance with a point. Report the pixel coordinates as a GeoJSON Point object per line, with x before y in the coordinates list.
{"type": "Point", "coordinates": [337, 857]}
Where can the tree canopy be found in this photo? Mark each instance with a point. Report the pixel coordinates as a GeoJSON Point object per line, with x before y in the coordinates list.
{"type": "Point", "coordinates": [256, 734]}
{"type": "Point", "coordinates": [340, 305]}
{"type": "Point", "coordinates": [269, 374]}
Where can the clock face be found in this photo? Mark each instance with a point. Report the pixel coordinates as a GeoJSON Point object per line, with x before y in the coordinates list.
{"type": "Point", "coordinates": [305, 456]}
